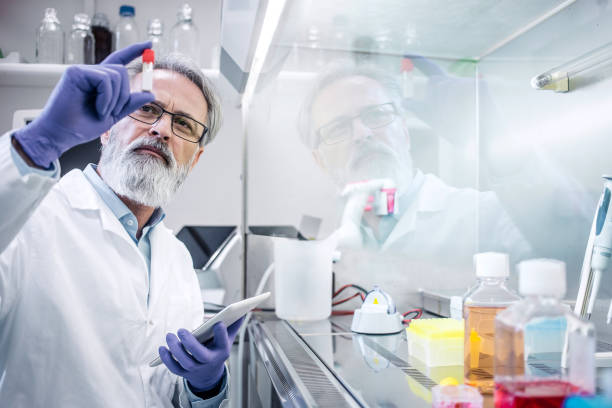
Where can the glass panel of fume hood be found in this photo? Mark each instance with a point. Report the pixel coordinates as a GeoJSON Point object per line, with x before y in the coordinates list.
{"type": "Point", "coordinates": [321, 120]}
{"type": "Point", "coordinates": [443, 29]}
{"type": "Point", "coordinates": [543, 153]}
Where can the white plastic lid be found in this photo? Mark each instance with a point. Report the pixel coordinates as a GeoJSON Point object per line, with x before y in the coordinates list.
{"type": "Point", "coordinates": [542, 277]}
{"type": "Point", "coordinates": [491, 265]}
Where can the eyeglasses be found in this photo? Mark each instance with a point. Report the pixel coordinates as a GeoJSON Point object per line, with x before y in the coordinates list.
{"type": "Point", "coordinates": [341, 129]}
{"type": "Point", "coordinates": [183, 126]}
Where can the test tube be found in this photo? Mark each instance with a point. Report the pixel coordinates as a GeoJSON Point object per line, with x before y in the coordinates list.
{"type": "Point", "coordinates": [148, 58]}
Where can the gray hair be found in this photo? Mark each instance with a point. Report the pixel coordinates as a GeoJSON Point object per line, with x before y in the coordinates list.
{"type": "Point", "coordinates": [335, 73]}
{"type": "Point", "coordinates": [188, 68]}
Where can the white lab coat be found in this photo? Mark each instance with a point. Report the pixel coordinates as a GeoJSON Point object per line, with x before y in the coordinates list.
{"type": "Point", "coordinates": [432, 244]}
{"type": "Point", "coordinates": [75, 327]}
{"type": "Point", "coordinates": [445, 224]}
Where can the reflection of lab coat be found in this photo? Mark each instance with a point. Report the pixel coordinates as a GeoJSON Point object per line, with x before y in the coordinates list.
{"type": "Point", "coordinates": [438, 230]}
{"type": "Point", "coordinates": [444, 224]}
{"type": "Point", "coordinates": [75, 327]}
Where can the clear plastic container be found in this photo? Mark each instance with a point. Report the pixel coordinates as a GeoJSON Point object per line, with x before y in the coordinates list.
{"type": "Point", "coordinates": [303, 278]}
{"type": "Point", "coordinates": [155, 33]}
{"type": "Point", "coordinates": [100, 28]}
{"type": "Point", "coordinates": [543, 352]}
{"type": "Point", "coordinates": [184, 36]}
{"type": "Point", "coordinates": [81, 43]}
{"type": "Point", "coordinates": [480, 306]}
{"type": "Point", "coordinates": [126, 31]}
{"type": "Point", "coordinates": [436, 342]}
{"type": "Point", "coordinates": [50, 39]}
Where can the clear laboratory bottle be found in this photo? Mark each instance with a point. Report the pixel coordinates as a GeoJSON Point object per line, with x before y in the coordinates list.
{"type": "Point", "coordinates": [184, 36]}
{"type": "Point", "coordinates": [126, 30]}
{"type": "Point", "coordinates": [100, 28]}
{"type": "Point", "coordinates": [481, 304]}
{"type": "Point", "coordinates": [155, 34]}
{"type": "Point", "coordinates": [543, 352]}
{"type": "Point", "coordinates": [50, 39]}
{"type": "Point", "coordinates": [81, 43]}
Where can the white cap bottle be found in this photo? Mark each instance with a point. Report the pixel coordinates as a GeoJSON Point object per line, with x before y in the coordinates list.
{"type": "Point", "coordinates": [539, 342]}
{"type": "Point", "coordinates": [480, 306]}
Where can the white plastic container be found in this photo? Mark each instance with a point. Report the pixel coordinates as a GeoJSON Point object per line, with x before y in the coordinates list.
{"type": "Point", "coordinates": [303, 278]}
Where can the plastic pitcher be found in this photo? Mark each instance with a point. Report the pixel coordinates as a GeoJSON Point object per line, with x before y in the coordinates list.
{"type": "Point", "coordinates": [303, 278]}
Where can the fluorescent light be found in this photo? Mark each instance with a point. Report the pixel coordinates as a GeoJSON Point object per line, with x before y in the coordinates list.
{"type": "Point", "coordinates": [557, 79]}
{"type": "Point", "coordinates": [274, 11]}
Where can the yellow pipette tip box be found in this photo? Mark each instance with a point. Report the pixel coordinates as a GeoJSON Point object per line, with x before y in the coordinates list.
{"type": "Point", "coordinates": [436, 342]}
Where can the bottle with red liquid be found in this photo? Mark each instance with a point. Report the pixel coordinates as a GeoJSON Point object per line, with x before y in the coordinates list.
{"type": "Point", "coordinates": [543, 352]}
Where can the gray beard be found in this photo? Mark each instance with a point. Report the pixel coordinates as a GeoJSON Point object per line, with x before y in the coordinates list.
{"type": "Point", "coordinates": [376, 161]}
{"type": "Point", "coordinates": [142, 178]}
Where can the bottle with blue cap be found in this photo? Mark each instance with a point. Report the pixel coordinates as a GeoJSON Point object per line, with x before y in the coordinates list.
{"type": "Point", "coordinates": [126, 31]}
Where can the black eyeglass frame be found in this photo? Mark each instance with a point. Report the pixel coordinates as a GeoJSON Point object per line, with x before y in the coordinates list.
{"type": "Point", "coordinates": [172, 115]}
{"type": "Point", "coordinates": [352, 118]}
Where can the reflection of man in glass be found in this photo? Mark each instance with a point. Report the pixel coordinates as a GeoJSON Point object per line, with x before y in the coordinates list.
{"type": "Point", "coordinates": [354, 123]}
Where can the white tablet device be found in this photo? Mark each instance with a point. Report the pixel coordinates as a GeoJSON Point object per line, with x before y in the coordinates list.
{"type": "Point", "coordinates": [228, 316]}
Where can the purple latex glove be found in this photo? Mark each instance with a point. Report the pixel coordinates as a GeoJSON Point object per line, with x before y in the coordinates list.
{"type": "Point", "coordinates": [201, 365]}
{"type": "Point", "coordinates": [86, 102]}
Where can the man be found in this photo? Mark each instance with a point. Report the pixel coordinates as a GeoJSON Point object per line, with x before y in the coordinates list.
{"type": "Point", "coordinates": [91, 281]}
{"type": "Point", "coordinates": [355, 125]}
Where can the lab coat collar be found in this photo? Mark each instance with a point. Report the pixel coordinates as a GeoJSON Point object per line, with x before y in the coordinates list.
{"type": "Point", "coordinates": [81, 195]}
{"type": "Point", "coordinates": [113, 201]}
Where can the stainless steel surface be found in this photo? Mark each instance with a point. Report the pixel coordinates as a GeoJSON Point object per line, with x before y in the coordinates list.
{"type": "Point", "coordinates": [371, 370]}
{"type": "Point", "coordinates": [298, 375]}
{"type": "Point", "coordinates": [376, 368]}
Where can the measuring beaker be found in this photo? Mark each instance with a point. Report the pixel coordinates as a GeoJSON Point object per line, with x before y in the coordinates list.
{"type": "Point", "coordinates": [303, 278]}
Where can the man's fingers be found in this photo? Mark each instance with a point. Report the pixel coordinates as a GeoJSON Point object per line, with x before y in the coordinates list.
{"type": "Point", "coordinates": [233, 328]}
{"type": "Point", "coordinates": [127, 54]}
{"type": "Point", "coordinates": [221, 340]}
{"type": "Point", "coordinates": [193, 346]}
{"type": "Point", "coordinates": [179, 353]}
{"type": "Point", "coordinates": [106, 105]}
{"type": "Point", "coordinates": [168, 360]}
{"type": "Point", "coordinates": [135, 101]}
{"type": "Point", "coordinates": [122, 89]}
{"type": "Point", "coordinates": [90, 80]}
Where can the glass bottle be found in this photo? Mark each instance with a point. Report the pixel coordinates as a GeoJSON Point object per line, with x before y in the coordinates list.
{"type": "Point", "coordinates": [155, 32]}
{"type": "Point", "coordinates": [481, 304]}
{"type": "Point", "coordinates": [81, 43]}
{"type": "Point", "coordinates": [100, 28]}
{"type": "Point", "coordinates": [184, 36]}
{"type": "Point", "coordinates": [543, 352]}
{"type": "Point", "coordinates": [126, 31]}
{"type": "Point", "coordinates": [50, 39]}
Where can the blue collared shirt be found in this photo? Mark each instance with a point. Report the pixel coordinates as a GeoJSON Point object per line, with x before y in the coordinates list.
{"type": "Point", "coordinates": [124, 215]}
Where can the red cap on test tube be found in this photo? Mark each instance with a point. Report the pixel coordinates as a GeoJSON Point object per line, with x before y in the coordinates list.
{"type": "Point", "coordinates": [148, 56]}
